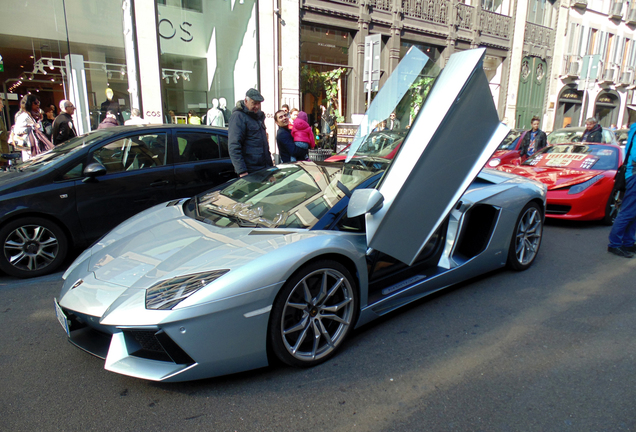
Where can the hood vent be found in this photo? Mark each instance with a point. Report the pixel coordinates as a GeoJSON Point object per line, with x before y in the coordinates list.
{"type": "Point", "coordinates": [173, 203]}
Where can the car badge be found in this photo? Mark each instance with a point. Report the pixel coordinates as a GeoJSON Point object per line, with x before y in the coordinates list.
{"type": "Point", "coordinates": [78, 283]}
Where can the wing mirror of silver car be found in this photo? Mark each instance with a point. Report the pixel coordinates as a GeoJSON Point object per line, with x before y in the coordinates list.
{"type": "Point", "coordinates": [92, 171]}
{"type": "Point", "coordinates": [364, 201]}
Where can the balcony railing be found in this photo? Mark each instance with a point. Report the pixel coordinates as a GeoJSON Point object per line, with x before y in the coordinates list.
{"type": "Point", "coordinates": [495, 24]}
{"type": "Point", "coordinates": [384, 5]}
{"type": "Point", "coordinates": [627, 77]}
{"type": "Point", "coordinates": [609, 74]}
{"type": "Point", "coordinates": [572, 66]}
{"type": "Point", "coordinates": [464, 18]}
{"type": "Point", "coordinates": [616, 10]}
{"type": "Point", "coordinates": [432, 10]}
{"type": "Point", "coordinates": [631, 17]}
{"type": "Point", "coordinates": [538, 35]}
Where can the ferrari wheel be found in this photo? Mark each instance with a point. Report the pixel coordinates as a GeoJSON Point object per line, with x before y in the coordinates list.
{"type": "Point", "coordinates": [526, 237]}
{"type": "Point", "coordinates": [313, 314]}
{"type": "Point", "coordinates": [612, 207]}
{"type": "Point", "coordinates": [31, 247]}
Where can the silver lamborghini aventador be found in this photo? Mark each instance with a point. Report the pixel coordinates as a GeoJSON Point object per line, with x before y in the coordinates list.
{"type": "Point", "coordinates": [284, 263]}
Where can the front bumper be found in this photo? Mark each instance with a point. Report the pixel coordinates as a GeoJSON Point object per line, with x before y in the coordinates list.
{"type": "Point", "coordinates": [213, 339]}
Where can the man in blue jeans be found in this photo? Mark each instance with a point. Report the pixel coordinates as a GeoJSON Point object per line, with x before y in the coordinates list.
{"type": "Point", "coordinates": [623, 234]}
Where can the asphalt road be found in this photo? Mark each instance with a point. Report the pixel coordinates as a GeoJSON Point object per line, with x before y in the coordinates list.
{"type": "Point", "coordinates": [549, 349]}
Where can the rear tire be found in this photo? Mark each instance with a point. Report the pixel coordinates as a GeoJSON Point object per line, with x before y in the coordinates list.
{"type": "Point", "coordinates": [526, 237]}
{"type": "Point", "coordinates": [32, 247]}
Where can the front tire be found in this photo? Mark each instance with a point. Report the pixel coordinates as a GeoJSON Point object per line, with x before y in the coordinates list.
{"type": "Point", "coordinates": [526, 237]}
{"type": "Point", "coordinates": [612, 207]}
{"type": "Point", "coordinates": [313, 314]}
{"type": "Point", "coordinates": [32, 247]}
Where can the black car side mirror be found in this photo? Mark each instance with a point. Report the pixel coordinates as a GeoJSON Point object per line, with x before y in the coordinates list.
{"type": "Point", "coordinates": [92, 171]}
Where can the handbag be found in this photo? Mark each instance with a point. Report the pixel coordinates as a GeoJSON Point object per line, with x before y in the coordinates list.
{"type": "Point", "coordinates": [619, 179]}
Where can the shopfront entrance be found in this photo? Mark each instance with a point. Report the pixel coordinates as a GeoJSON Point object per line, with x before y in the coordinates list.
{"type": "Point", "coordinates": [606, 108]}
{"type": "Point", "coordinates": [568, 111]}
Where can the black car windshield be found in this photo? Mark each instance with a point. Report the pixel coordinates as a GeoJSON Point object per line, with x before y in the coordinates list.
{"type": "Point", "coordinates": [576, 156]}
{"type": "Point", "coordinates": [510, 141]}
{"type": "Point", "coordinates": [62, 151]}
{"type": "Point", "coordinates": [292, 196]}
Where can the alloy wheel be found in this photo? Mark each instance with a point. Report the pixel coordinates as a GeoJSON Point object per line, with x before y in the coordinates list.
{"type": "Point", "coordinates": [31, 247]}
{"type": "Point", "coordinates": [528, 236]}
{"type": "Point", "coordinates": [317, 314]}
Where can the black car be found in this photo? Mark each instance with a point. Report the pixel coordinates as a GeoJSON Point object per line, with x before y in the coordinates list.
{"type": "Point", "coordinates": [72, 195]}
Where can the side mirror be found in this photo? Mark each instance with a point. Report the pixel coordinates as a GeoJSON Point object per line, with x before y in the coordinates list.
{"type": "Point", "coordinates": [92, 171]}
{"type": "Point", "coordinates": [364, 201]}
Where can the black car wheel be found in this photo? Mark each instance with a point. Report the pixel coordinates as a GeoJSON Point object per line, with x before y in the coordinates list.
{"type": "Point", "coordinates": [526, 237]}
{"type": "Point", "coordinates": [612, 207]}
{"type": "Point", "coordinates": [31, 247]}
{"type": "Point", "coordinates": [313, 314]}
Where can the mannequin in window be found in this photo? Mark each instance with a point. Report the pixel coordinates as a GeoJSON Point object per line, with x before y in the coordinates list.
{"type": "Point", "coordinates": [226, 112]}
{"type": "Point", "coordinates": [215, 115]}
{"type": "Point", "coordinates": [110, 104]}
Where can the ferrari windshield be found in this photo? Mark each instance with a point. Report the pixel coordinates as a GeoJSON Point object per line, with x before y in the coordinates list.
{"type": "Point", "coordinates": [292, 196]}
{"type": "Point", "coordinates": [576, 156]}
{"type": "Point", "coordinates": [61, 151]}
{"type": "Point", "coordinates": [510, 142]}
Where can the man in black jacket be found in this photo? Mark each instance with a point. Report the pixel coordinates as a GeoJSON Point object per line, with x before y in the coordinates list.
{"type": "Point", "coordinates": [248, 146]}
{"type": "Point", "coordinates": [63, 128]}
{"type": "Point", "coordinates": [593, 131]}
{"type": "Point", "coordinates": [534, 140]}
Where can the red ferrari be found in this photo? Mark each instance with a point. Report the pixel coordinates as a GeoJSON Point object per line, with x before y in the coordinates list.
{"type": "Point", "coordinates": [509, 149]}
{"type": "Point", "coordinates": [580, 179]}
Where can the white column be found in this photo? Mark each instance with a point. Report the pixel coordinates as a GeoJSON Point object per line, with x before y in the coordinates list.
{"type": "Point", "coordinates": [149, 65]}
{"type": "Point", "coordinates": [516, 56]}
{"type": "Point", "coordinates": [77, 92]}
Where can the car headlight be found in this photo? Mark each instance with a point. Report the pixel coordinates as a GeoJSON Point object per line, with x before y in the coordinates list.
{"type": "Point", "coordinates": [494, 162]}
{"type": "Point", "coordinates": [167, 294]}
{"type": "Point", "coordinates": [582, 186]}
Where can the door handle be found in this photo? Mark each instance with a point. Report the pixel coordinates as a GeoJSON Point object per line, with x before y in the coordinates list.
{"type": "Point", "coordinates": [159, 183]}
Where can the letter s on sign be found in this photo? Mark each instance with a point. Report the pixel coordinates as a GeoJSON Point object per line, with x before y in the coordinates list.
{"type": "Point", "coordinates": [185, 23]}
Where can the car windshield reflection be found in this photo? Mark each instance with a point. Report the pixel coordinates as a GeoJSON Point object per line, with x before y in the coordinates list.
{"type": "Point", "coordinates": [290, 196]}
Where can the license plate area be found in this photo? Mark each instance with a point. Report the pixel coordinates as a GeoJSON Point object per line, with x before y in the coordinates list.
{"type": "Point", "coordinates": [61, 317]}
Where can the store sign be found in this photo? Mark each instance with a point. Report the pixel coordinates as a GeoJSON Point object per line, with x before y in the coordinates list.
{"type": "Point", "coordinates": [167, 30]}
{"type": "Point", "coordinates": [345, 132]}
{"type": "Point", "coordinates": [572, 94]}
{"type": "Point", "coordinates": [606, 99]}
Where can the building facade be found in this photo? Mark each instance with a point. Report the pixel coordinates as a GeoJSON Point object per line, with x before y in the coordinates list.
{"type": "Point", "coordinates": [562, 61]}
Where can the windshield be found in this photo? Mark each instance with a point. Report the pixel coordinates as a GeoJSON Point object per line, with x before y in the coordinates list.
{"type": "Point", "coordinates": [61, 151]}
{"type": "Point", "coordinates": [565, 136]}
{"type": "Point", "coordinates": [510, 142]}
{"type": "Point", "coordinates": [295, 196]}
{"type": "Point", "coordinates": [396, 105]}
{"type": "Point", "coordinates": [576, 156]}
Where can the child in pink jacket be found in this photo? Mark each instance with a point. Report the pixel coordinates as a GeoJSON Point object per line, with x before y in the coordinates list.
{"type": "Point", "coordinates": [303, 137]}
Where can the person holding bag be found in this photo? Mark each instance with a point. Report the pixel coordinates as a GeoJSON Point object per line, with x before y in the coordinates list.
{"type": "Point", "coordinates": [27, 131]}
{"type": "Point", "coordinates": [622, 237]}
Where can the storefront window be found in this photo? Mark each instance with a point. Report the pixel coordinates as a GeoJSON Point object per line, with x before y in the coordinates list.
{"type": "Point", "coordinates": [209, 53]}
{"type": "Point", "coordinates": [325, 61]}
{"type": "Point", "coordinates": [74, 50]}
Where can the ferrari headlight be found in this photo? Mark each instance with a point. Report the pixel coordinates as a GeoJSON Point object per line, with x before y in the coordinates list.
{"type": "Point", "coordinates": [494, 162]}
{"type": "Point", "coordinates": [582, 186]}
{"type": "Point", "coordinates": [167, 294]}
